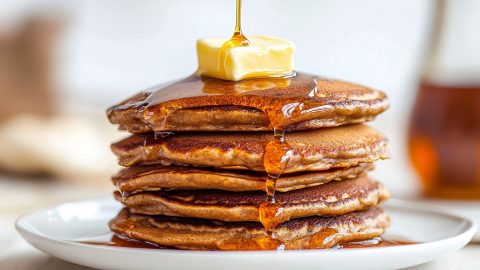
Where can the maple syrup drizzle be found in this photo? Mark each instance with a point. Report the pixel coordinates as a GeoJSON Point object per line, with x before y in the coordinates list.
{"type": "Point", "coordinates": [114, 240]}
{"type": "Point", "coordinates": [276, 157]}
{"type": "Point", "coordinates": [325, 238]}
{"type": "Point", "coordinates": [259, 243]}
{"type": "Point", "coordinates": [286, 101]}
{"type": "Point", "coordinates": [374, 242]}
{"type": "Point", "coordinates": [237, 39]}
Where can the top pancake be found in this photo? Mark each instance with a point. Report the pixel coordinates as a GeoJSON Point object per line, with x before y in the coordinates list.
{"type": "Point", "coordinates": [299, 102]}
{"type": "Point", "coordinates": [312, 150]}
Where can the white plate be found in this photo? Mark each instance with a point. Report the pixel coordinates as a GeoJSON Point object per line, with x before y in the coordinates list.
{"type": "Point", "coordinates": [55, 231]}
{"type": "Point", "coordinates": [469, 209]}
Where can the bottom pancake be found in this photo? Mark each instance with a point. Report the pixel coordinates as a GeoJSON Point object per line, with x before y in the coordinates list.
{"type": "Point", "coordinates": [303, 233]}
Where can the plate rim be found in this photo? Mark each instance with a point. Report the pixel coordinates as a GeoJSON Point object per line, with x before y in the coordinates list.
{"type": "Point", "coordinates": [467, 231]}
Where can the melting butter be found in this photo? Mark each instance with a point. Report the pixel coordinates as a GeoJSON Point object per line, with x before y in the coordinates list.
{"type": "Point", "coordinates": [264, 56]}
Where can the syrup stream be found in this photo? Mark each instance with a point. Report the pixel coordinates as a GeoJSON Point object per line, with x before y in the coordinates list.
{"type": "Point", "coordinates": [237, 39]}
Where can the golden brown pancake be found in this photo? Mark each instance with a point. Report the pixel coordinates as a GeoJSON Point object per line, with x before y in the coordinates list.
{"type": "Point", "coordinates": [158, 177]}
{"type": "Point", "coordinates": [303, 233]}
{"type": "Point", "coordinates": [311, 150]}
{"type": "Point", "coordinates": [300, 102]}
{"type": "Point", "coordinates": [333, 198]}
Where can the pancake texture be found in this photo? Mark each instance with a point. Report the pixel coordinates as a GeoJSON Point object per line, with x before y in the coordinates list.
{"type": "Point", "coordinates": [334, 198]}
{"type": "Point", "coordinates": [302, 233]}
{"type": "Point", "coordinates": [311, 150]}
{"type": "Point", "coordinates": [158, 177]}
{"type": "Point", "coordinates": [257, 164]}
{"type": "Point", "coordinates": [299, 102]}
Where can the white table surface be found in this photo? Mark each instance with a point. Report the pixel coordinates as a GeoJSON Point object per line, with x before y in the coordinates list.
{"type": "Point", "coordinates": [15, 253]}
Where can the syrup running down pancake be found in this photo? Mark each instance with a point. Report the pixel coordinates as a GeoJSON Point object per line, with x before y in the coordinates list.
{"type": "Point", "coordinates": [302, 233]}
{"type": "Point", "coordinates": [301, 101]}
{"type": "Point", "coordinates": [334, 198]}
{"type": "Point", "coordinates": [310, 150]}
{"type": "Point", "coordinates": [158, 177]}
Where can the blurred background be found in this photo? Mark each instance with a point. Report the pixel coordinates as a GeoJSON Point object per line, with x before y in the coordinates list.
{"type": "Point", "coordinates": [63, 62]}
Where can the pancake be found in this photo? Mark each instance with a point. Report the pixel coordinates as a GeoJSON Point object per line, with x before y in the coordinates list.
{"type": "Point", "coordinates": [334, 198]}
{"type": "Point", "coordinates": [157, 177]}
{"type": "Point", "coordinates": [311, 150]}
{"type": "Point", "coordinates": [303, 233]}
{"type": "Point", "coordinates": [299, 102]}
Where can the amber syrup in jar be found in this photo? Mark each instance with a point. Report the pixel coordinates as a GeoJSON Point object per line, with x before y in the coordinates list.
{"type": "Point", "coordinates": [444, 133]}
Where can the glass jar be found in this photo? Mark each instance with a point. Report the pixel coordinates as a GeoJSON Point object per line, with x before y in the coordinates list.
{"type": "Point", "coordinates": [444, 132]}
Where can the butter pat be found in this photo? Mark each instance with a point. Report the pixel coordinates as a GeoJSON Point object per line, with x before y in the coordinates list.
{"type": "Point", "coordinates": [265, 57]}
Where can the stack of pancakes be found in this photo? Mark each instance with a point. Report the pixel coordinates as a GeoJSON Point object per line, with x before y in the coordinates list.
{"type": "Point", "coordinates": [266, 163]}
